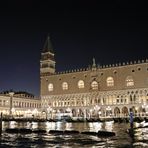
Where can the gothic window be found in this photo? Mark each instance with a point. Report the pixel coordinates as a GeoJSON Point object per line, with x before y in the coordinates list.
{"type": "Point", "coordinates": [94, 85]}
{"type": "Point", "coordinates": [134, 98]}
{"type": "Point", "coordinates": [50, 87]}
{"type": "Point", "coordinates": [65, 85]}
{"type": "Point", "coordinates": [110, 81]}
{"type": "Point", "coordinates": [80, 84]}
{"type": "Point", "coordinates": [131, 98]}
{"type": "Point", "coordinates": [129, 81]}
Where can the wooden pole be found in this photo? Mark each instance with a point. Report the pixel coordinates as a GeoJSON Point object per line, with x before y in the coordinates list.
{"type": "Point", "coordinates": [131, 120]}
{"type": "Point", "coordinates": [131, 130]}
{"type": "Point", "coordinates": [1, 119]}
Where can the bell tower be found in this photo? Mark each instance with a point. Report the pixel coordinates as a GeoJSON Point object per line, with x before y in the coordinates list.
{"type": "Point", "coordinates": [47, 61]}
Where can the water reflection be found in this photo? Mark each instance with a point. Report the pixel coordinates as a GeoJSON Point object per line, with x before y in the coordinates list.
{"type": "Point", "coordinates": [109, 125]}
{"type": "Point", "coordinates": [95, 126]}
{"type": "Point", "coordinates": [68, 126]}
{"type": "Point", "coordinates": [141, 137]}
{"type": "Point", "coordinates": [33, 125]}
{"type": "Point", "coordinates": [122, 138]}
{"type": "Point", "coordinates": [13, 124]}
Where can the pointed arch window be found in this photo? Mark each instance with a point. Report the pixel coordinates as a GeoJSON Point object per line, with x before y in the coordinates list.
{"type": "Point", "coordinates": [94, 85]}
{"type": "Point", "coordinates": [50, 87]}
{"type": "Point", "coordinates": [110, 81]}
{"type": "Point", "coordinates": [65, 85]}
{"type": "Point", "coordinates": [80, 84]}
{"type": "Point", "coordinates": [129, 81]}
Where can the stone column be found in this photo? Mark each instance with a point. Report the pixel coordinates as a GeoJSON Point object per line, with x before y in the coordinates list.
{"type": "Point", "coordinates": [10, 104]}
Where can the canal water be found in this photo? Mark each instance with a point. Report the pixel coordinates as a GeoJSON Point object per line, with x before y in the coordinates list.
{"type": "Point", "coordinates": [36, 140]}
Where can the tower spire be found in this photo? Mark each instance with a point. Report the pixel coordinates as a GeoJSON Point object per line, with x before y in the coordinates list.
{"type": "Point", "coordinates": [94, 64]}
{"type": "Point", "coordinates": [48, 45]}
{"type": "Point", "coordinates": [47, 62]}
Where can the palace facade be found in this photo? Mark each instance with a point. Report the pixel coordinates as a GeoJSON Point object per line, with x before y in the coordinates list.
{"type": "Point", "coordinates": [98, 91]}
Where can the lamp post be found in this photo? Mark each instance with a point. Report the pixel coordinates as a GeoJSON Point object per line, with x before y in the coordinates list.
{"type": "Point", "coordinates": [96, 108]}
{"type": "Point", "coordinates": [49, 111]}
{"type": "Point", "coordinates": [90, 113]}
{"type": "Point", "coordinates": [10, 104]}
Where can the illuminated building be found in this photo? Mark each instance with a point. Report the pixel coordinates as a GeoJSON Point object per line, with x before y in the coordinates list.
{"type": "Point", "coordinates": [98, 91]}
{"type": "Point", "coordinates": [19, 105]}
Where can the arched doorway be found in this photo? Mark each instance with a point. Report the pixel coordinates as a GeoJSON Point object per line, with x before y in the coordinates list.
{"type": "Point", "coordinates": [102, 112]}
{"type": "Point", "coordinates": [74, 113]}
{"type": "Point", "coordinates": [61, 111]}
{"type": "Point", "coordinates": [108, 111]}
{"type": "Point", "coordinates": [87, 113]}
{"type": "Point", "coordinates": [133, 110]}
{"type": "Point", "coordinates": [142, 111]}
{"type": "Point", "coordinates": [125, 111]}
{"type": "Point", "coordinates": [80, 113]}
{"type": "Point", "coordinates": [117, 112]}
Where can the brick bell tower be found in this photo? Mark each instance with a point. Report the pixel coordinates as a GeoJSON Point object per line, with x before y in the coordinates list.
{"type": "Point", "coordinates": [47, 61]}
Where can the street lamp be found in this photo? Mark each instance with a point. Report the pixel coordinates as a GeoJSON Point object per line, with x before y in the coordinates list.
{"type": "Point", "coordinates": [49, 111]}
{"type": "Point", "coordinates": [143, 109]}
{"type": "Point", "coordinates": [136, 109]}
{"type": "Point", "coordinates": [11, 100]}
{"type": "Point", "coordinates": [96, 108]}
{"type": "Point", "coordinates": [35, 112]}
{"type": "Point", "coordinates": [99, 113]}
{"type": "Point", "coordinates": [68, 110]}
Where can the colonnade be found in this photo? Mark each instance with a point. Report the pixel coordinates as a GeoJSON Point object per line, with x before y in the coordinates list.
{"type": "Point", "coordinates": [98, 104]}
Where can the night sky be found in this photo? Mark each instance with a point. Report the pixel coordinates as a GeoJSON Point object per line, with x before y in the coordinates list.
{"type": "Point", "coordinates": [112, 32]}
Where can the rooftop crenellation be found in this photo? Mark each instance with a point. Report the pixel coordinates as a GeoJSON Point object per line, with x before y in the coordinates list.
{"type": "Point", "coordinates": [103, 66]}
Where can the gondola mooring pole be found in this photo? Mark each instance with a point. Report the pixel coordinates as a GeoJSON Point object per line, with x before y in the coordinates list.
{"type": "Point", "coordinates": [1, 119]}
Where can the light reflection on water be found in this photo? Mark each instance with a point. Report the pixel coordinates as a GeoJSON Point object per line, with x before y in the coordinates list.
{"type": "Point", "coordinates": [33, 125]}
{"type": "Point", "coordinates": [13, 124]}
{"type": "Point", "coordinates": [122, 138]}
{"type": "Point", "coordinates": [94, 126]}
{"type": "Point", "coordinates": [109, 126]}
